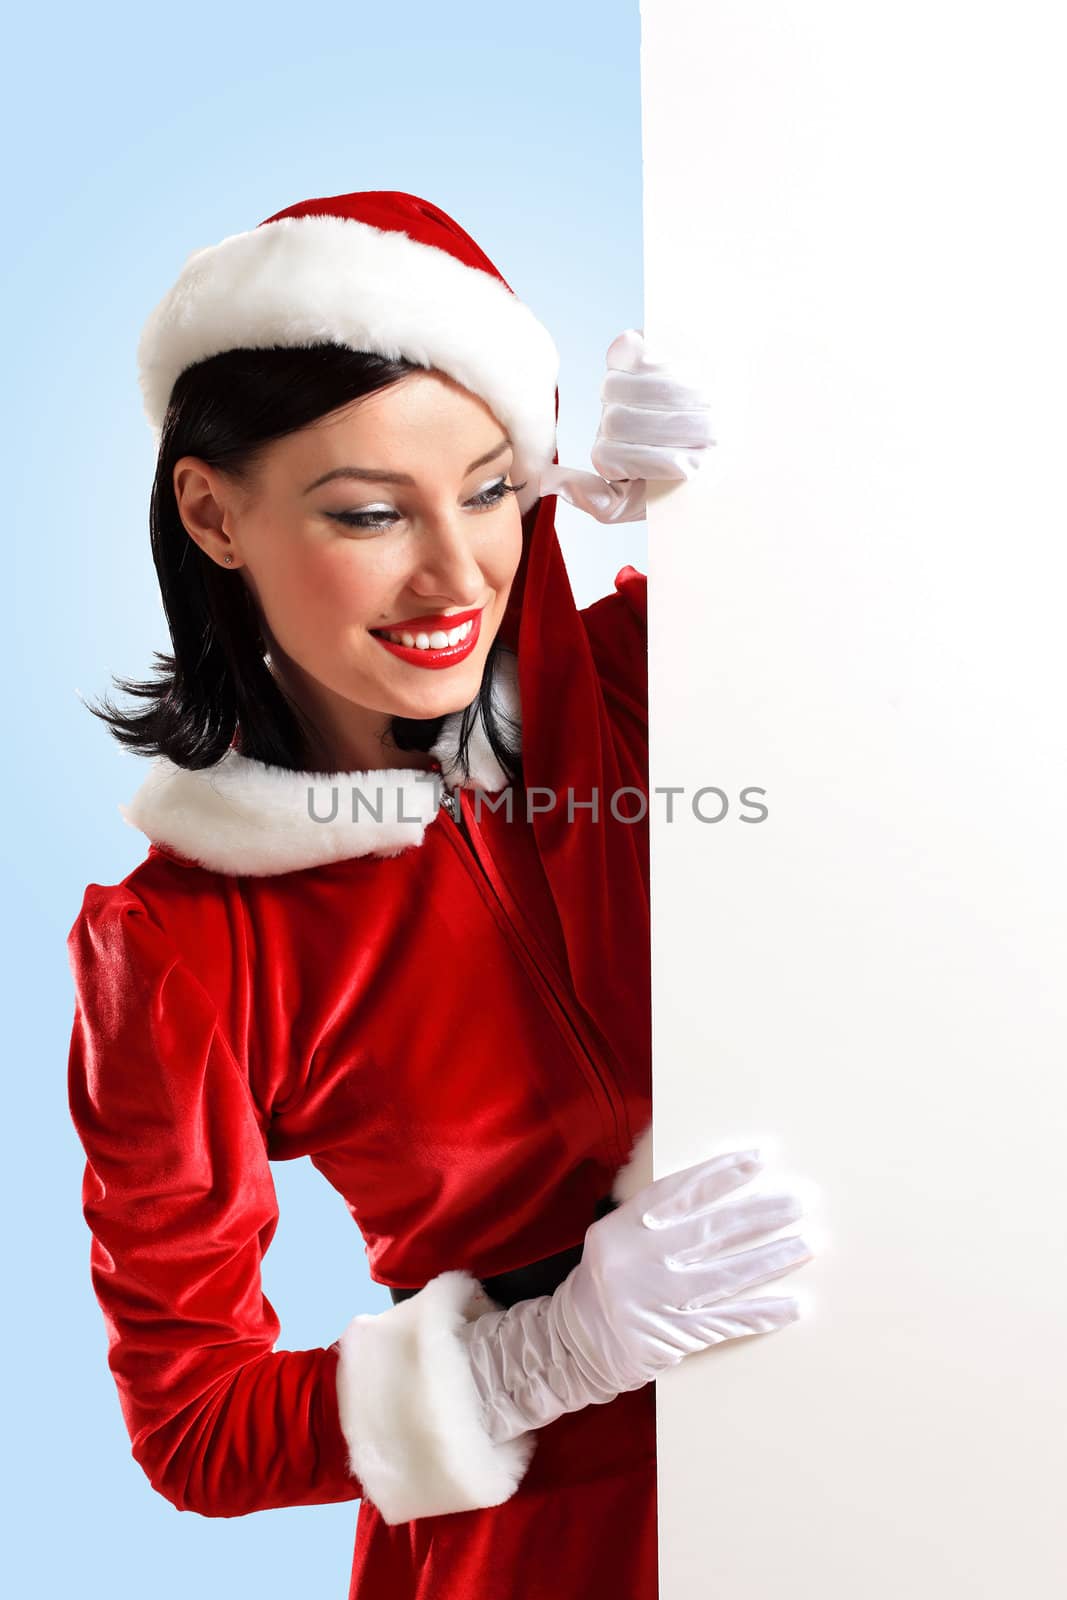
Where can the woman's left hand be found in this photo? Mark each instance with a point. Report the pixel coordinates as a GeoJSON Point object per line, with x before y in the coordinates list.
{"type": "Point", "coordinates": [654, 426]}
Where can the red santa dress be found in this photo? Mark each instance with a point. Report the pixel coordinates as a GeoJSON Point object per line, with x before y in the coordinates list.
{"type": "Point", "coordinates": [453, 1023]}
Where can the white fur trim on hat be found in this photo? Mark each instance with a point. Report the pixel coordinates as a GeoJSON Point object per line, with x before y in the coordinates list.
{"type": "Point", "coordinates": [307, 280]}
{"type": "Point", "coordinates": [410, 1410]}
{"type": "Point", "coordinates": [636, 1173]}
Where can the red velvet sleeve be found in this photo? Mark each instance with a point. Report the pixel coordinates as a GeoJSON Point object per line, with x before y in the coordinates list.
{"type": "Point", "coordinates": [617, 627]}
{"type": "Point", "coordinates": [180, 1201]}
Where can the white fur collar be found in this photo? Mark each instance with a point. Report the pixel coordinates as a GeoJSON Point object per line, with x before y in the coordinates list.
{"type": "Point", "coordinates": [248, 818]}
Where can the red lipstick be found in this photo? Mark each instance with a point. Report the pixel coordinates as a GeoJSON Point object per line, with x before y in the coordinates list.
{"type": "Point", "coordinates": [448, 655]}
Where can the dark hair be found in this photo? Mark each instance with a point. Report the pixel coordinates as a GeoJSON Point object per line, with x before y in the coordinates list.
{"type": "Point", "coordinates": [226, 410]}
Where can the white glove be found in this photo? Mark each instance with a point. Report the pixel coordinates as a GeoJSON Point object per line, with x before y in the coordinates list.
{"type": "Point", "coordinates": [653, 1286]}
{"type": "Point", "coordinates": [653, 426]}
{"type": "Point", "coordinates": [607, 502]}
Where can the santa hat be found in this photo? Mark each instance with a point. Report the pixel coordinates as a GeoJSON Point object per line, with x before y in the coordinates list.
{"type": "Point", "coordinates": [380, 271]}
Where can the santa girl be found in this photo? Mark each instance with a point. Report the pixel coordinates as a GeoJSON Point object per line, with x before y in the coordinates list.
{"type": "Point", "coordinates": [353, 527]}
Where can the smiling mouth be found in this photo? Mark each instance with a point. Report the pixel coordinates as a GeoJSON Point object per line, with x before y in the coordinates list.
{"type": "Point", "coordinates": [427, 639]}
{"type": "Point", "coordinates": [423, 645]}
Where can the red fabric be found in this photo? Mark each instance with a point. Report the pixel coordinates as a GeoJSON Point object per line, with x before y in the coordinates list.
{"type": "Point", "coordinates": [459, 1041]}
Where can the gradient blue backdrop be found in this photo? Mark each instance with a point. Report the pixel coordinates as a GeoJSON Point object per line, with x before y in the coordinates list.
{"type": "Point", "coordinates": [135, 135]}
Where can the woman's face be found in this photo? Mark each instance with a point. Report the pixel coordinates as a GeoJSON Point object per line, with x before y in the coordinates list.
{"type": "Point", "coordinates": [391, 515]}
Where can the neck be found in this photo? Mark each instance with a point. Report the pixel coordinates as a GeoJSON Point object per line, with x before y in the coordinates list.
{"type": "Point", "coordinates": [337, 735]}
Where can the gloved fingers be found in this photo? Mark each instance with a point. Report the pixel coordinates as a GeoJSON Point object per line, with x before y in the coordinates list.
{"type": "Point", "coordinates": [704, 1285]}
{"type": "Point", "coordinates": [741, 1318]}
{"type": "Point", "coordinates": [680, 428]}
{"type": "Point", "coordinates": [630, 352]}
{"type": "Point", "coordinates": [653, 391]}
{"type": "Point", "coordinates": [619, 458]}
{"type": "Point", "coordinates": [707, 1233]}
{"type": "Point", "coordinates": [673, 1198]}
{"type": "Point", "coordinates": [635, 378]}
{"type": "Point", "coordinates": [656, 417]}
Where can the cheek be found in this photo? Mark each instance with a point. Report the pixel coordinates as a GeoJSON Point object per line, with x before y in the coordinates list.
{"type": "Point", "coordinates": [313, 591]}
{"type": "Point", "coordinates": [501, 557]}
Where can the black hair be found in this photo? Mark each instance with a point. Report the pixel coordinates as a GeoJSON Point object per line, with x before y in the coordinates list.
{"type": "Point", "coordinates": [216, 683]}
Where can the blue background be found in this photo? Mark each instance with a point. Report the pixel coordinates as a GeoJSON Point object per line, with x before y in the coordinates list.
{"type": "Point", "coordinates": [134, 136]}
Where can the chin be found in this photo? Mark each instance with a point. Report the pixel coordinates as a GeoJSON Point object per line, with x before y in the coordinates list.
{"type": "Point", "coordinates": [451, 691]}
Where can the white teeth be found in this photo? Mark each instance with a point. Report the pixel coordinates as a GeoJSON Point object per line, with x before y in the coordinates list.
{"type": "Point", "coordinates": [438, 640]}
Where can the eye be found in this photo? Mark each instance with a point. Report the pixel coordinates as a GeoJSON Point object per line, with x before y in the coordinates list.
{"type": "Point", "coordinates": [373, 520]}
{"type": "Point", "coordinates": [378, 521]}
{"type": "Point", "coordinates": [495, 493]}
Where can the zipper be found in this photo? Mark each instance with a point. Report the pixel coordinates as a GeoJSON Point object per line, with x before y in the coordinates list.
{"type": "Point", "coordinates": [543, 971]}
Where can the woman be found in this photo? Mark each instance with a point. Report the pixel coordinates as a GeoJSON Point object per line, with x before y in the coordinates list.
{"type": "Point", "coordinates": [394, 917]}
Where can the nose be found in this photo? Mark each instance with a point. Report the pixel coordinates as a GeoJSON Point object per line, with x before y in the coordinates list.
{"type": "Point", "coordinates": [448, 567]}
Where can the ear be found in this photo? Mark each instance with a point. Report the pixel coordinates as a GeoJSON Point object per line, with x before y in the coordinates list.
{"type": "Point", "coordinates": [204, 501]}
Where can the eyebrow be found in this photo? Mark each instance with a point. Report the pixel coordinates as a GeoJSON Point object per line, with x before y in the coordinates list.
{"type": "Point", "coordinates": [368, 474]}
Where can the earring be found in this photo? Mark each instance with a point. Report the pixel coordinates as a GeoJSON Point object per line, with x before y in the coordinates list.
{"type": "Point", "coordinates": [228, 560]}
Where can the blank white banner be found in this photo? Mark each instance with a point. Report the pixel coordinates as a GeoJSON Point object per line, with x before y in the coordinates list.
{"type": "Point", "coordinates": [855, 224]}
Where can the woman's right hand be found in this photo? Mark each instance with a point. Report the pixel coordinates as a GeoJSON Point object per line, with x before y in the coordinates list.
{"type": "Point", "coordinates": [659, 1279]}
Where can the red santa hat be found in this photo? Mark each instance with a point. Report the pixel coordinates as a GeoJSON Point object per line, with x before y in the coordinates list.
{"type": "Point", "coordinates": [381, 271]}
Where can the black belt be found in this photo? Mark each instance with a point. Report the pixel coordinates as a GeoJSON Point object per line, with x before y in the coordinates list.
{"type": "Point", "coordinates": [526, 1283]}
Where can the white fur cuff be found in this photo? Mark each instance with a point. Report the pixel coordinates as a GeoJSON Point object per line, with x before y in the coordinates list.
{"type": "Point", "coordinates": [410, 1410]}
{"type": "Point", "coordinates": [636, 1173]}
